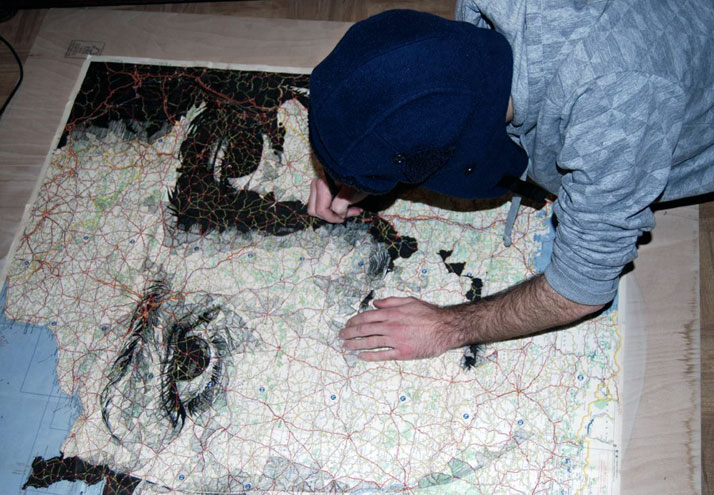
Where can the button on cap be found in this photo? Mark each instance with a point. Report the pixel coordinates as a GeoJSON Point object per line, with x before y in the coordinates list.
{"type": "Point", "coordinates": [399, 159]}
{"type": "Point", "coordinates": [469, 171]}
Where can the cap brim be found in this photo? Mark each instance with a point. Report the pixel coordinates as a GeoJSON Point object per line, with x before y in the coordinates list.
{"type": "Point", "coordinates": [502, 158]}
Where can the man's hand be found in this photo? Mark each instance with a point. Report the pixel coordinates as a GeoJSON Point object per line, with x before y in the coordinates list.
{"type": "Point", "coordinates": [334, 210]}
{"type": "Point", "coordinates": [403, 328]}
{"type": "Point", "coordinates": [407, 328]}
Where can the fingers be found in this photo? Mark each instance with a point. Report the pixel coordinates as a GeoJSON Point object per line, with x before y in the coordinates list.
{"type": "Point", "coordinates": [379, 325]}
{"type": "Point", "coordinates": [367, 343]}
{"type": "Point", "coordinates": [384, 339]}
{"type": "Point", "coordinates": [340, 206]}
{"type": "Point", "coordinates": [350, 196]}
{"type": "Point", "coordinates": [319, 203]}
{"type": "Point", "coordinates": [354, 211]}
{"type": "Point", "coordinates": [322, 205]}
{"type": "Point", "coordinates": [393, 302]}
{"type": "Point", "coordinates": [361, 324]}
{"type": "Point", "coordinates": [380, 321]}
{"type": "Point", "coordinates": [374, 348]}
{"type": "Point", "coordinates": [311, 199]}
{"type": "Point", "coordinates": [386, 355]}
{"type": "Point", "coordinates": [370, 316]}
{"type": "Point", "coordinates": [343, 201]}
{"type": "Point", "coordinates": [381, 313]}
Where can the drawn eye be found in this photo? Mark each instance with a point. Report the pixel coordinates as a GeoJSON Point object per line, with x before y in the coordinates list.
{"type": "Point", "coordinates": [171, 366]}
{"type": "Point", "coordinates": [193, 365]}
{"type": "Point", "coordinates": [191, 357]}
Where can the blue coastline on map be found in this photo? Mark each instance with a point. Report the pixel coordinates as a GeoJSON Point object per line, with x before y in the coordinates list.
{"type": "Point", "coordinates": [35, 415]}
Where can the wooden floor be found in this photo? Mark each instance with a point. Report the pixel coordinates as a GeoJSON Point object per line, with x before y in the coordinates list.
{"type": "Point", "coordinates": [22, 29]}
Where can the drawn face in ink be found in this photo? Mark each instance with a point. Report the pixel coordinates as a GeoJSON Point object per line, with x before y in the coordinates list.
{"type": "Point", "coordinates": [245, 292]}
{"type": "Point", "coordinates": [218, 365]}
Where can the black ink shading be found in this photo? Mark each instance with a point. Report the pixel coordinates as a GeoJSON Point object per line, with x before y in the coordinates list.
{"type": "Point", "coordinates": [238, 112]}
{"type": "Point", "coordinates": [398, 246]}
{"type": "Point", "coordinates": [188, 357]}
{"type": "Point", "coordinates": [365, 302]}
{"type": "Point", "coordinates": [149, 99]}
{"type": "Point", "coordinates": [456, 268]}
{"type": "Point", "coordinates": [474, 293]}
{"type": "Point", "coordinates": [203, 197]}
{"type": "Point", "coordinates": [46, 472]}
{"type": "Point", "coordinates": [180, 344]}
{"type": "Point", "coordinates": [239, 109]}
{"type": "Point", "coordinates": [473, 354]}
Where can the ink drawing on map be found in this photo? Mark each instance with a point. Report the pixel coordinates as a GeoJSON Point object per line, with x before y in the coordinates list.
{"type": "Point", "coordinates": [196, 307]}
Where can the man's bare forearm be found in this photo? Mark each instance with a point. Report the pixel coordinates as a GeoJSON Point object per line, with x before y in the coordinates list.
{"type": "Point", "coordinates": [407, 328]}
{"type": "Point", "coordinates": [529, 307]}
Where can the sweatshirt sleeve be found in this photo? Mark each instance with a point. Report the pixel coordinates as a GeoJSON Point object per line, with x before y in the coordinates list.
{"type": "Point", "coordinates": [468, 11]}
{"type": "Point", "coordinates": [618, 135]}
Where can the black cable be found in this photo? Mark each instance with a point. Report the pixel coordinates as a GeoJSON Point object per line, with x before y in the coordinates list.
{"type": "Point", "coordinates": [19, 79]}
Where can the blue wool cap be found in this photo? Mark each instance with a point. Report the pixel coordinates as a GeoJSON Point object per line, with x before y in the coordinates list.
{"type": "Point", "coordinates": [409, 97]}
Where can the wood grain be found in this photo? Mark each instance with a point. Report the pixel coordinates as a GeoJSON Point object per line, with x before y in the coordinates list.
{"type": "Point", "coordinates": [326, 10]}
{"type": "Point", "coordinates": [706, 250]}
{"type": "Point", "coordinates": [662, 372]}
{"type": "Point", "coordinates": [21, 158]}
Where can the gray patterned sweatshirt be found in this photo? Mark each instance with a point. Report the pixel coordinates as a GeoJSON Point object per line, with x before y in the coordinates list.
{"type": "Point", "coordinates": [614, 105]}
